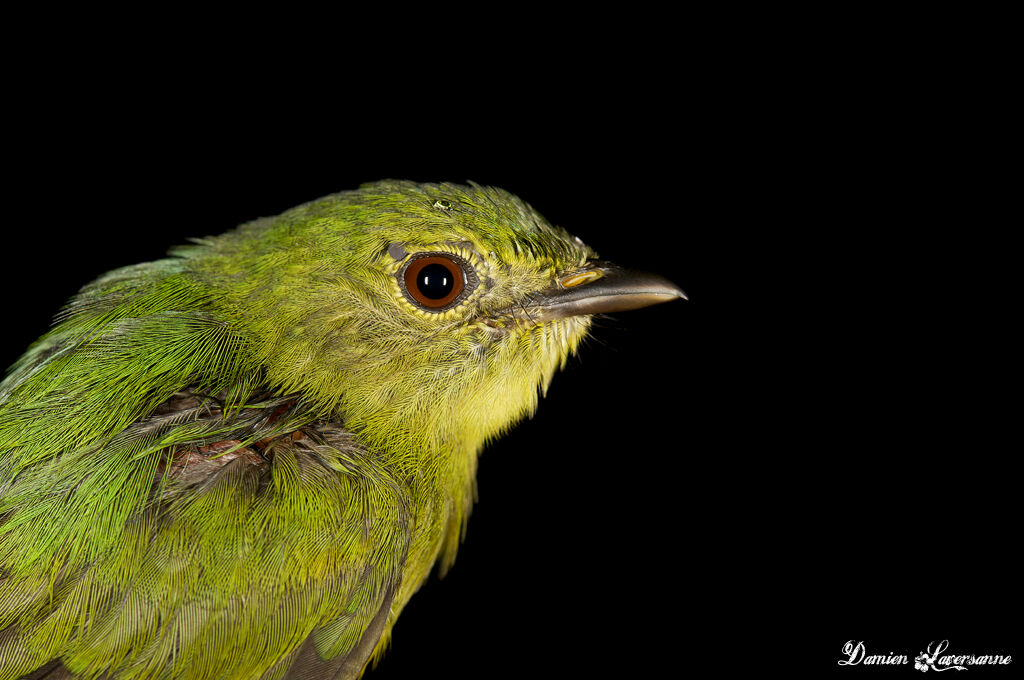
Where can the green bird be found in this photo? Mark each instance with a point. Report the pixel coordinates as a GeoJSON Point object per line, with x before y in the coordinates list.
{"type": "Point", "coordinates": [243, 460]}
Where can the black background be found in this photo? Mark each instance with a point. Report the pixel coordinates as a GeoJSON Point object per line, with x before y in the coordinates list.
{"type": "Point", "coordinates": [815, 448]}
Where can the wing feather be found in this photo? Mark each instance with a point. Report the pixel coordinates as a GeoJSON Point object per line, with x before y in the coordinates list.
{"type": "Point", "coordinates": [273, 552]}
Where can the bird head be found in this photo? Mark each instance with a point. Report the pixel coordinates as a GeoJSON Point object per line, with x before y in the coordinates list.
{"type": "Point", "coordinates": [434, 311]}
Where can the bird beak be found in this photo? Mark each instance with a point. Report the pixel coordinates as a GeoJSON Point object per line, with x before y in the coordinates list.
{"type": "Point", "coordinates": [600, 288]}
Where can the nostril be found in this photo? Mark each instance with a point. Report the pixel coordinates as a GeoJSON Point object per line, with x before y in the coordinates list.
{"type": "Point", "coordinates": [580, 278]}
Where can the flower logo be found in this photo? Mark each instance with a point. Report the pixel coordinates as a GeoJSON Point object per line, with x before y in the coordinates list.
{"type": "Point", "coordinates": [926, 660]}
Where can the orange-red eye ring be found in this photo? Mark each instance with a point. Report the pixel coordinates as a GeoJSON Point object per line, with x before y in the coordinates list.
{"type": "Point", "coordinates": [419, 280]}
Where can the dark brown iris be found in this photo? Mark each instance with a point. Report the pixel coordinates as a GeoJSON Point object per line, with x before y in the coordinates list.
{"type": "Point", "coordinates": [434, 281]}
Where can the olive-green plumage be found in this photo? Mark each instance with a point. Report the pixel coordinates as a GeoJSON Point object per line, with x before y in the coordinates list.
{"type": "Point", "coordinates": [242, 461]}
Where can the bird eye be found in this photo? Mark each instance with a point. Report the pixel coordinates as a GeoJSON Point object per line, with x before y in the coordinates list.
{"type": "Point", "coordinates": [436, 281]}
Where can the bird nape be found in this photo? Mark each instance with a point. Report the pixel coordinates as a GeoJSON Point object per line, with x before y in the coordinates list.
{"type": "Point", "coordinates": [243, 460]}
